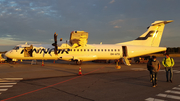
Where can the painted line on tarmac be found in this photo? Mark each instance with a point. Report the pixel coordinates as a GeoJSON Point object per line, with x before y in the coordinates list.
{"type": "Point", "coordinates": [169, 96]}
{"type": "Point", "coordinates": [176, 88]}
{"type": "Point", "coordinates": [175, 71]}
{"type": "Point", "coordinates": [53, 84]}
{"type": "Point", "coordinates": [173, 92]}
{"type": "Point", "coordinates": [12, 78]}
{"type": "Point", "coordinates": [3, 89]}
{"type": "Point", "coordinates": [141, 69]}
{"type": "Point", "coordinates": [6, 86]}
{"type": "Point", "coordinates": [138, 69]}
{"type": "Point", "coordinates": [153, 99]}
{"type": "Point", "coordinates": [8, 82]}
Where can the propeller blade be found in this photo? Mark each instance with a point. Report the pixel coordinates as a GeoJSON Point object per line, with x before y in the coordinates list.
{"type": "Point", "coordinates": [55, 43]}
{"type": "Point", "coordinates": [55, 38]}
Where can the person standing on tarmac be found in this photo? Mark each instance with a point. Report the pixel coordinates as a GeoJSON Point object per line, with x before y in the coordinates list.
{"type": "Point", "coordinates": [150, 68]}
{"type": "Point", "coordinates": [155, 68]}
{"type": "Point", "coordinates": [168, 63]}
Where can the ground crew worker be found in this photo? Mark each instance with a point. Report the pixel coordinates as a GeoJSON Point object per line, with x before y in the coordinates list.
{"type": "Point", "coordinates": [150, 68]}
{"type": "Point", "coordinates": [168, 63]}
{"type": "Point", "coordinates": [155, 68]}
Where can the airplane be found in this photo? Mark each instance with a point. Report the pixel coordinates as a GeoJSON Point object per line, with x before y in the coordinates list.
{"type": "Point", "coordinates": [76, 49]}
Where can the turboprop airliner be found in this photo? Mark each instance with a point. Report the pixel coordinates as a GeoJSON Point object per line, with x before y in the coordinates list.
{"type": "Point", "coordinates": [76, 49]}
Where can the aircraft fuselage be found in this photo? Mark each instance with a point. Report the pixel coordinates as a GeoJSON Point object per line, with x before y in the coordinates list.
{"type": "Point", "coordinates": [87, 53]}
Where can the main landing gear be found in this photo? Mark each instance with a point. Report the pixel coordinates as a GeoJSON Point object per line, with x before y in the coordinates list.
{"type": "Point", "coordinates": [79, 62]}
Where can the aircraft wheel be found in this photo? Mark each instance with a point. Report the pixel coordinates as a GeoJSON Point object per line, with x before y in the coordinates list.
{"type": "Point", "coordinates": [79, 62]}
{"type": "Point", "coordinates": [137, 61]}
{"type": "Point", "coordinates": [14, 62]}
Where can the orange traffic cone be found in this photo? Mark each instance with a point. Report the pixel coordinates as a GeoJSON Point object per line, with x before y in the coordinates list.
{"type": "Point", "coordinates": [80, 73]}
{"type": "Point", "coordinates": [42, 63]}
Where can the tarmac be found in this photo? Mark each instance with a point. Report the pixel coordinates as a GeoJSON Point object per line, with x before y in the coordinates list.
{"type": "Point", "coordinates": [59, 81]}
{"type": "Point", "coordinates": [62, 68]}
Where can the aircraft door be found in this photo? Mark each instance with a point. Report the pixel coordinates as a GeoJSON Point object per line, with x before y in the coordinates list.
{"type": "Point", "coordinates": [28, 51]}
{"type": "Point", "coordinates": [124, 50]}
{"type": "Point", "coordinates": [125, 54]}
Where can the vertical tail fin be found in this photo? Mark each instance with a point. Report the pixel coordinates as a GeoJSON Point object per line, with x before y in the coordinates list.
{"type": "Point", "coordinates": [152, 36]}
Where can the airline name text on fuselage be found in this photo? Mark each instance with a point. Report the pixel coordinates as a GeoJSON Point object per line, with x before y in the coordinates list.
{"type": "Point", "coordinates": [48, 51]}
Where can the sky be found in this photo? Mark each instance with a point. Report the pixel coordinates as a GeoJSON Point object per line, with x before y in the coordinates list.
{"type": "Point", "coordinates": [106, 21]}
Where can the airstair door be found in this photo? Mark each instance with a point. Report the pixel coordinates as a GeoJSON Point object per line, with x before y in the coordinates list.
{"type": "Point", "coordinates": [125, 54]}
{"type": "Point", "coordinates": [124, 48]}
{"type": "Point", "coordinates": [28, 51]}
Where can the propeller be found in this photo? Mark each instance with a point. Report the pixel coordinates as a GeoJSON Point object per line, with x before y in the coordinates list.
{"type": "Point", "coordinates": [55, 43]}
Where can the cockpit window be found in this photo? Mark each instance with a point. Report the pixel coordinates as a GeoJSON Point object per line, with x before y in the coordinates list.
{"type": "Point", "coordinates": [16, 48]}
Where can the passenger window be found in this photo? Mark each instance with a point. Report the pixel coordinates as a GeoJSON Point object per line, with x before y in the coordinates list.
{"type": "Point", "coordinates": [91, 49]}
{"type": "Point", "coordinates": [84, 49]}
{"type": "Point", "coordinates": [111, 49]}
{"type": "Point", "coordinates": [98, 49]}
{"type": "Point", "coordinates": [94, 49]}
{"type": "Point", "coordinates": [77, 49]}
{"type": "Point", "coordinates": [108, 49]}
{"type": "Point", "coordinates": [114, 49]}
{"type": "Point", "coordinates": [87, 49]}
{"type": "Point", "coordinates": [101, 49]}
{"type": "Point", "coordinates": [105, 50]}
{"type": "Point", "coordinates": [118, 49]}
{"type": "Point", "coordinates": [74, 49]}
{"type": "Point", "coordinates": [81, 49]}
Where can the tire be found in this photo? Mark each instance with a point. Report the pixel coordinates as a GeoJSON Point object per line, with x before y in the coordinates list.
{"type": "Point", "coordinates": [79, 62]}
{"type": "Point", "coordinates": [137, 61]}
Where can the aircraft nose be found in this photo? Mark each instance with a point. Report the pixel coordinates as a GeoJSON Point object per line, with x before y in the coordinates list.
{"type": "Point", "coordinates": [7, 54]}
